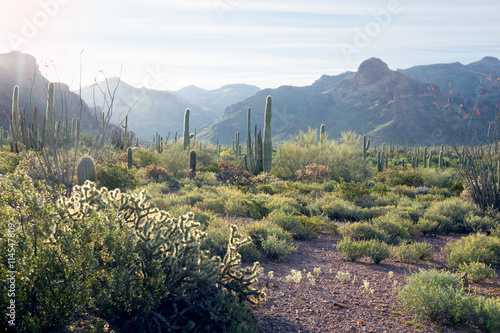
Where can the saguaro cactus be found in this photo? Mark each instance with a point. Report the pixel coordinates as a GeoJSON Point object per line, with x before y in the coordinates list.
{"type": "Point", "coordinates": [322, 134]}
{"type": "Point", "coordinates": [50, 116]}
{"type": "Point", "coordinates": [268, 144]}
{"type": "Point", "coordinates": [192, 163]}
{"type": "Point", "coordinates": [86, 170]}
{"type": "Point", "coordinates": [129, 158]}
{"type": "Point", "coordinates": [366, 145]}
{"type": "Point", "coordinates": [186, 129]}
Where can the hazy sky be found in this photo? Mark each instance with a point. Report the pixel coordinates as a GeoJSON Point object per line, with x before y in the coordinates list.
{"type": "Point", "coordinates": [168, 44]}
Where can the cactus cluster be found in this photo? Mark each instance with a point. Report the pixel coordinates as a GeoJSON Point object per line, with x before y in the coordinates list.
{"type": "Point", "coordinates": [258, 156]}
{"type": "Point", "coordinates": [172, 244]}
{"type": "Point", "coordinates": [24, 135]}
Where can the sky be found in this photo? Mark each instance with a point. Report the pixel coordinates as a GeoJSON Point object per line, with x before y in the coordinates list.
{"type": "Point", "coordinates": [170, 44]}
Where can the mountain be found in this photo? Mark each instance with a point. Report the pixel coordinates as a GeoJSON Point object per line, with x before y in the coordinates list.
{"type": "Point", "coordinates": [215, 101]}
{"type": "Point", "coordinates": [464, 80]}
{"type": "Point", "coordinates": [149, 111]}
{"type": "Point", "coordinates": [21, 69]}
{"type": "Point", "coordinates": [288, 102]}
{"type": "Point", "coordinates": [385, 105]}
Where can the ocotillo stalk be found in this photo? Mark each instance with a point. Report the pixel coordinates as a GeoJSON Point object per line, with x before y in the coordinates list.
{"type": "Point", "coordinates": [366, 145]}
{"type": "Point", "coordinates": [267, 149]}
{"type": "Point", "coordinates": [186, 128]}
{"type": "Point", "coordinates": [86, 170]}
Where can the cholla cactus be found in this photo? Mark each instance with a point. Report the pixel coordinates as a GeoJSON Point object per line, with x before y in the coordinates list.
{"type": "Point", "coordinates": [173, 242]}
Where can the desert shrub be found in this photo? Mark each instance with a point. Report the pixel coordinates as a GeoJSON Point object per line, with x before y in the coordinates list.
{"type": "Point", "coordinates": [338, 209]}
{"type": "Point", "coordinates": [422, 190]}
{"type": "Point", "coordinates": [314, 172]}
{"type": "Point", "coordinates": [352, 190]}
{"type": "Point", "coordinates": [393, 227]}
{"type": "Point", "coordinates": [233, 174]}
{"type": "Point", "coordinates": [362, 231]}
{"type": "Point", "coordinates": [175, 160]}
{"type": "Point", "coordinates": [156, 173]}
{"type": "Point", "coordinates": [413, 251]}
{"type": "Point", "coordinates": [427, 226]}
{"type": "Point", "coordinates": [9, 161]}
{"type": "Point", "coordinates": [404, 190]}
{"type": "Point", "coordinates": [256, 208]}
{"type": "Point", "coordinates": [451, 214]}
{"type": "Point", "coordinates": [292, 224]}
{"type": "Point", "coordinates": [217, 237]}
{"type": "Point", "coordinates": [438, 296]}
{"type": "Point", "coordinates": [477, 223]}
{"type": "Point", "coordinates": [312, 224]}
{"type": "Point", "coordinates": [478, 271]}
{"type": "Point", "coordinates": [285, 203]}
{"type": "Point", "coordinates": [399, 176]}
{"type": "Point", "coordinates": [261, 230]}
{"type": "Point", "coordinates": [440, 178]}
{"type": "Point", "coordinates": [377, 250]}
{"type": "Point", "coordinates": [351, 248]}
{"type": "Point", "coordinates": [473, 248]}
{"type": "Point", "coordinates": [276, 248]}
{"type": "Point", "coordinates": [215, 205]}
{"type": "Point", "coordinates": [116, 175]}
{"type": "Point", "coordinates": [146, 157]}
{"type": "Point", "coordinates": [303, 149]}
{"type": "Point", "coordinates": [236, 208]}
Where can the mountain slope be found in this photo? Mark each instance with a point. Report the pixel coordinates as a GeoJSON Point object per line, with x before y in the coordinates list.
{"type": "Point", "coordinates": [215, 101]}
{"type": "Point", "coordinates": [149, 111]}
{"type": "Point", "coordinates": [21, 69]}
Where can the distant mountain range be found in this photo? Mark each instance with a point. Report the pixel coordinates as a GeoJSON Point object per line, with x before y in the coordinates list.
{"type": "Point", "coordinates": [381, 103]}
{"type": "Point", "coordinates": [377, 101]}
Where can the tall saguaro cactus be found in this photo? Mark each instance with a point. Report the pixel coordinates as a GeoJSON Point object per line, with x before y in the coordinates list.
{"type": "Point", "coordinates": [366, 145]}
{"type": "Point", "coordinates": [268, 144]}
{"type": "Point", "coordinates": [322, 134]}
{"type": "Point", "coordinates": [186, 129]}
{"type": "Point", "coordinates": [192, 163]}
{"type": "Point", "coordinates": [50, 116]}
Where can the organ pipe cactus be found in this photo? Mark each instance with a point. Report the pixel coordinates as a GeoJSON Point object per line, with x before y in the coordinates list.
{"type": "Point", "coordinates": [267, 149]}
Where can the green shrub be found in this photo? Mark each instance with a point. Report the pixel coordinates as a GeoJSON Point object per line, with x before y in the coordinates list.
{"type": "Point", "coordinates": [303, 149]}
{"type": "Point", "coordinates": [175, 159]}
{"type": "Point", "coordinates": [256, 208]}
{"type": "Point", "coordinates": [261, 230]}
{"type": "Point", "coordinates": [352, 249]}
{"type": "Point", "coordinates": [276, 248]}
{"type": "Point", "coordinates": [395, 228]}
{"type": "Point", "coordinates": [438, 296]}
{"type": "Point", "coordinates": [451, 214]}
{"type": "Point", "coordinates": [399, 176]}
{"type": "Point", "coordinates": [9, 161]}
{"type": "Point", "coordinates": [362, 231]}
{"type": "Point", "coordinates": [473, 248]}
{"type": "Point", "coordinates": [292, 224]}
{"type": "Point", "coordinates": [117, 176]}
{"type": "Point", "coordinates": [404, 190]}
{"type": "Point", "coordinates": [413, 251]}
{"type": "Point", "coordinates": [377, 250]}
{"type": "Point", "coordinates": [146, 157]}
{"type": "Point", "coordinates": [352, 191]}
{"type": "Point", "coordinates": [477, 271]}
{"type": "Point", "coordinates": [215, 205]}
{"type": "Point", "coordinates": [338, 209]}
{"type": "Point", "coordinates": [477, 223]}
